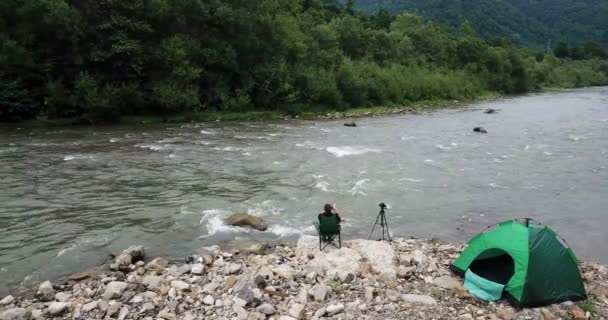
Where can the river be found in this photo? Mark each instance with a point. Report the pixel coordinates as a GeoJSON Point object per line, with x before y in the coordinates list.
{"type": "Point", "coordinates": [71, 196]}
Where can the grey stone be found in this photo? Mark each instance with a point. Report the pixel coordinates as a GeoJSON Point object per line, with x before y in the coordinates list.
{"type": "Point", "coordinates": [446, 282]}
{"type": "Point", "coordinates": [167, 315]}
{"type": "Point", "coordinates": [246, 220]}
{"type": "Point", "coordinates": [113, 308]}
{"type": "Point", "coordinates": [124, 313]}
{"type": "Point", "coordinates": [296, 310]}
{"type": "Point", "coordinates": [286, 318]}
{"type": "Point", "coordinates": [345, 276]}
{"type": "Point", "coordinates": [157, 264]}
{"type": "Point", "coordinates": [180, 285]}
{"type": "Point", "coordinates": [62, 296]}
{"type": "Point", "coordinates": [247, 295]}
{"type": "Point", "coordinates": [419, 299]}
{"type": "Point", "coordinates": [320, 292]}
{"type": "Point", "coordinates": [334, 309]}
{"type": "Point", "coordinates": [45, 291]}
{"type": "Point", "coordinates": [198, 269]}
{"type": "Point", "coordinates": [7, 300]}
{"type": "Point", "coordinates": [89, 306]}
{"type": "Point", "coordinates": [56, 308]}
{"type": "Point", "coordinates": [369, 293]}
{"type": "Point", "coordinates": [266, 309]}
{"type": "Point", "coordinates": [152, 282]}
{"type": "Point", "coordinates": [37, 314]}
{"type": "Point", "coordinates": [241, 313]}
{"type": "Point", "coordinates": [209, 300]}
{"type": "Point", "coordinates": [137, 253]}
{"type": "Point", "coordinates": [147, 307]}
{"type": "Point", "coordinates": [404, 272]}
{"type": "Point", "coordinates": [187, 268]}
{"type": "Point", "coordinates": [233, 268]}
{"type": "Point", "coordinates": [16, 314]}
{"type": "Point", "coordinates": [114, 290]}
{"type": "Point", "coordinates": [320, 312]}
{"type": "Point", "coordinates": [466, 316]}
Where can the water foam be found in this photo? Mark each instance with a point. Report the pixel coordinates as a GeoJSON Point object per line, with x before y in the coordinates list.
{"type": "Point", "coordinates": [323, 185]}
{"type": "Point", "coordinates": [154, 146]}
{"type": "Point", "coordinates": [359, 188]}
{"type": "Point", "coordinates": [350, 151]}
{"type": "Point", "coordinates": [207, 132]}
{"type": "Point", "coordinates": [411, 180]}
{"type": "Point", "coordinates": [71, 157]}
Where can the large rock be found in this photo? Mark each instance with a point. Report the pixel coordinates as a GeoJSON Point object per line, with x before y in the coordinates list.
{"type": "Point", "coordinates": [381, 255]}
{"type": "Point", "coordinates": [137, 253]}
{"type": "Point", "coordinates": [246, 220]}
{"type": "Point", "coordinates": [63, 296]}
{"type": "Point", "coordinates": [330, 261]}
{"type": "Point", "coordinates": [419, 299]}
{"type": "Point", "coordinates": [114, 290]}
{"type": "Point", "coordinates": [45, 291]}
{"type": "Point", "coordinates": [246, 247]}
{"type": "Point", "coordinates": [16, 314]}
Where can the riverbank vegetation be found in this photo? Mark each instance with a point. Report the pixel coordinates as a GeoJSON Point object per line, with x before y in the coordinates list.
{"type": "Point", "coordinates": [100, 60]}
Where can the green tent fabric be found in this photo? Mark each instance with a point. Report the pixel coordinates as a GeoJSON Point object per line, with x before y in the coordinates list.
{"type": "Point", "coordinates": [482, 288]}
{"type": "Point", "coordinates": [529, 259]}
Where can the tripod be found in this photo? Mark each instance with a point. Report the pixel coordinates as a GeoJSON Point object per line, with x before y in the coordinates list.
{"type": "Point", "coordinates": [383, 224]}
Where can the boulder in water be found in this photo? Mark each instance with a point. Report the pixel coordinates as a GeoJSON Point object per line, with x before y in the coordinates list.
{"type": "Point", "coordinates": [246, 220]}
{"type": "Point", "coordinates": [480, 130]}
{"type": "Point", "coordinates": [350, 124]}
{"type": "Point", "coordinates": [491, 111]}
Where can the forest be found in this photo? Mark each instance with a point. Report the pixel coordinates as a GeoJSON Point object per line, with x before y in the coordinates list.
{"type": "Point", "coordinates": [100, 60]}
{"type": "Point", "coordinates": [531, 23]}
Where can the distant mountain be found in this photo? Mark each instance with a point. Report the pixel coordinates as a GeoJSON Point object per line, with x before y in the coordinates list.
{"type": "Point", "coordinates": [527, 22]}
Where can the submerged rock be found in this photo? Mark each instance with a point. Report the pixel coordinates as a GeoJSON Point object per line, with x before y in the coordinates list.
{"type": "Point", "coordinates": [350, 124]}
{"type": "Point", "coordinates": [480, 130]}
{"type": "Point", "coordinates": [246, 220]}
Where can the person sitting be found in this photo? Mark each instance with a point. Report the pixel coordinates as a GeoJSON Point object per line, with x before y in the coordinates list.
{"type": "Point", "coordinates": [328, 211]}
{"type": "Point", "coordinates": [328, 226]}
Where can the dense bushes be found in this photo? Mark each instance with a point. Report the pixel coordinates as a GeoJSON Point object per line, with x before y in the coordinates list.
{"type": "Point", "coordinates": [101, 59]}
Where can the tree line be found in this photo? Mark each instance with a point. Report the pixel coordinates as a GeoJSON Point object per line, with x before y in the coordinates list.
{"type": "Point", "coordinates": [98, 60]}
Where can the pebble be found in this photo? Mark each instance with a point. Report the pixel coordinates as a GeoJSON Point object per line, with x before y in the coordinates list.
{"type": "Point", "coordinates": [320, 292]}
{"type": "Point", "coordinates": [419, 299]}
{"type": "Point", "coordinates": [180, 285]}
{"type": "Point", "coordinates": [114, 290]}
{"type": "Point", "coordinates": [62, 296]}
{"type": "Point", "coordinates": [45, 291]}
{"type": "Point", "coordinates": [209, 300]}
{"type": "Point", "coordinates": [157, 264]}
{"type": "Point", "coordinates": [15, 314]}
{"type": "Point", "coordinates": [198, 269]}
{"type": "Point", "coordinates": [296, 310]}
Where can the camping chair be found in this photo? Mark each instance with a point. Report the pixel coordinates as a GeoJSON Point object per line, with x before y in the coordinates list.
{"type": "Point", "coordinates": [328, 229]}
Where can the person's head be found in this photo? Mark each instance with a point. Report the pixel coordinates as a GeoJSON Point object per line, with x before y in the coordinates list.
{"type": "Point", "coordinates": [327, 208]}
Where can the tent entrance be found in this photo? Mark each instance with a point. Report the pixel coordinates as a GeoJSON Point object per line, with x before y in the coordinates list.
{"type": "Point", "coordinates": [494, 265]}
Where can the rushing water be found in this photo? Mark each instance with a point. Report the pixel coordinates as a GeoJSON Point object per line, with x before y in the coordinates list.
{"type": "Point", "coordinates": [71, 196]}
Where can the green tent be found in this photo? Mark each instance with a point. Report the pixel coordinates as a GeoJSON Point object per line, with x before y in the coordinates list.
{"type": "Point", "coordinates": [531, 261]}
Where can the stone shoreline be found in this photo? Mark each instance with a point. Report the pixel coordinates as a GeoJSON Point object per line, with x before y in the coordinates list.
{"type": "Point", "coordinates": [407, 279]}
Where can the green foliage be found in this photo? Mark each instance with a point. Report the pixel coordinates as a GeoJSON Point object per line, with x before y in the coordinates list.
{"type": "Point", "coordinates": [526, 22]}
{"type": "Point", "coordinates": [99, 60]}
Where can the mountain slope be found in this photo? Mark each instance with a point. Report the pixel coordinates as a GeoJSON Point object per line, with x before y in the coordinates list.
{"type": "Point", "coordinates": [527, 22]}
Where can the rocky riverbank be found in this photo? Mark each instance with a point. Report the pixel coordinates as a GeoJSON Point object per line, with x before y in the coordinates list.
{"type": "Point", "coordinates": [408, 279]}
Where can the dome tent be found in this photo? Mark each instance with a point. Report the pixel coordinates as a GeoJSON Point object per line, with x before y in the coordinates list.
{"type": "Point", "coordinates": [535, 265]}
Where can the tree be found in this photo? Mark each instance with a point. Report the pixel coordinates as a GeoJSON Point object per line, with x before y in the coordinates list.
{"type": "Point", "coordinates": [561, 50]}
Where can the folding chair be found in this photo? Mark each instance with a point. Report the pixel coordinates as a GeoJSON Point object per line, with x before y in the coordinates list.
{"type": "Point", "coordinates": [328, 229]}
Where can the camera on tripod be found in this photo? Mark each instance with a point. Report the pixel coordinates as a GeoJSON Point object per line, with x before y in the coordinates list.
{"type": "Point", "coordinates": [383, 223]}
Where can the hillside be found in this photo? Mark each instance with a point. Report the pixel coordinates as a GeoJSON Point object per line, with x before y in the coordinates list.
{"type": "Point", "coordinates": [527, 22]}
